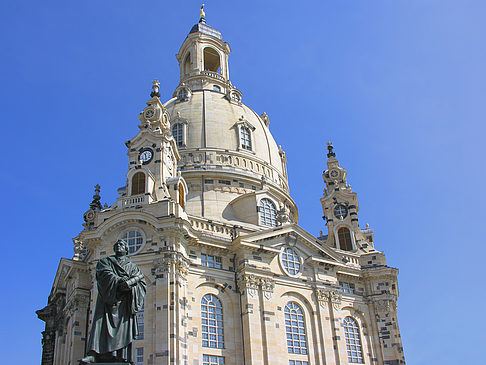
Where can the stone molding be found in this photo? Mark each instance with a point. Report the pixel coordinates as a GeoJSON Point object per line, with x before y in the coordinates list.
{"type": "Point", "coordinates": [250, 284]}
{"type": "Point", "coordinates": [329, 296]}
{"type": "Point", "coordinates": [76, 302]}
{"type": "Point", "coordinates": [170, 260]}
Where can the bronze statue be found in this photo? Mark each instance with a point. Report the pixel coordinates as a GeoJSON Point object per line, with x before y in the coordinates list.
{"type": "Point", "coordinates": [121, 289]}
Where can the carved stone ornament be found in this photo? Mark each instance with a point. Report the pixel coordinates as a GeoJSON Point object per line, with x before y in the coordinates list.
{"type": "Point", "coordinates": [283, 215]}
{"type": "Point", "coordinates": [326, 296]}
{"type": "Point", "coordinates": [173, 260]}
{"type": "Point", "coordinates": [80, 250]}
{"type": "Point", "coordinates": [250, 283]}
{"type": "Point", "coordinates": [267, 286]}
{"type": "Point", "coordinates": [385, 306]}
{"type": "Point", "coordinates": [321, 297]}
{"type": "Point", "coordinates": [335, 297]}
{"type": "Point", "coordinates": [76, 303]}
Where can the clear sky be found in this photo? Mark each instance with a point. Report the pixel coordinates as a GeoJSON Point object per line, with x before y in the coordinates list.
{"type": "Point", "coordinates": [398, 86]}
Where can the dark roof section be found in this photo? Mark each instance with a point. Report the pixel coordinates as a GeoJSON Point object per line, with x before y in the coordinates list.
{"type": "Point", "coordinates": [206, 29]}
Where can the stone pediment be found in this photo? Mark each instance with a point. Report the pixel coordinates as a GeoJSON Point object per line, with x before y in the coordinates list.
{"type": "Point", "coordinates": [272, 240]}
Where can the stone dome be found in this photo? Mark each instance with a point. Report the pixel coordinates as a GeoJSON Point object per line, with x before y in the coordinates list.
{"type": "Point", "coordinates": [212, 125]}
{"type": "Point", "coordinates": [231, 163]}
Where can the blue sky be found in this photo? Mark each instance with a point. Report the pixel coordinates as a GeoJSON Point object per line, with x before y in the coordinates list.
{"type": "Point", "coordinates": [398, 86]}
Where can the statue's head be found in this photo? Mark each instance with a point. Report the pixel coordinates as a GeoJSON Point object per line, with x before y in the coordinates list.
{"type": "Point", "coordinates": [120, 247]}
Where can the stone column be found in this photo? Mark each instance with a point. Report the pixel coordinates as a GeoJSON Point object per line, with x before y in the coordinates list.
{"type": "Point", "coordinates": [267, 315]}
{"type": "Point", "coordinates": [251, 320]}
{"type": "Point", "coordinates": [330, 302]}
{"type": "Point", "coordinates": [48, 315]}
{"type": "Point", "coordinates": [170, 308]}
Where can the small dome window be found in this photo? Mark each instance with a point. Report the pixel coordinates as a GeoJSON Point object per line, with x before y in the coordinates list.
{"type": "Point", "coordinates": [216, 88]}
{"type": "Point", "coordinates": [245, 136]}
{"type": "Point", "coordinates": [268, 213]}
{"type": "Point", "coordinates": [183, 94]}
{"type": "Point", "coordinates": [178, 134]}
{"type": "Point", "coordinates": [236, 97]}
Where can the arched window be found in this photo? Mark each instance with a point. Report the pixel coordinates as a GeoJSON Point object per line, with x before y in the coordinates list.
{"type": "Point", "coordinates": [344, 237]}
{"type": "Point", "coordinates": [178, 134]}
{"type": "Point", "coordinates": [181, 196]}
{"type": "Point", "coordinates": [295, 329]}
{"type": "Point", "coordinates": [138, 183]}
{"type": "Point", "coordinates": [268, 213]}
{"type": "Point", "coordinates": [245, 137]}
{"type": "Point", "coordinates": [290, 261]}
{"type": "Point", "coordinates": [353, 340]}
{"type": "Point", "coordinates": [187, 64]}
{"type": "Point", "coordinates": [212, 322]}
{"type": "Point", "coordinates": [134, 239]}
{"type": "Point", "coordinates": [211, 60]}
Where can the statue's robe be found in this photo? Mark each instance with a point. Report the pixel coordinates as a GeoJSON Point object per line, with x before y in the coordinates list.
{"type": "Point", "coordinates": [114, 324]}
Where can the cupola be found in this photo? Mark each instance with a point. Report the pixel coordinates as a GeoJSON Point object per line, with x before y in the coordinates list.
{"type": "Point", "coordinates": [203, 58]}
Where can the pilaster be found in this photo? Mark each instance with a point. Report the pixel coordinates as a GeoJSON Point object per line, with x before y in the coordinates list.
{"type": "Point", "coordinates": [170, 340]}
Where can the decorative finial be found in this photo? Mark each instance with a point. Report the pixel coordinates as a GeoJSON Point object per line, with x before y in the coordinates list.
{"type": "Point", "coordinates": [202, 15]}
{"type": "Point", "coordinates": [95, 204]}
{"type": "Point", "coordinates": [155, 88]}
{"type": "Point", "coordinates": [329, 148]}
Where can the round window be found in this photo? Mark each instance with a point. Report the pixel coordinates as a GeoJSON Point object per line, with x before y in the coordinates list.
{"type": "Point", "coordinates": [340, 211]}
{"type": "Point", "coordinates": [134, 239]}
{"type": "Point", "coordinates": [290, 261]}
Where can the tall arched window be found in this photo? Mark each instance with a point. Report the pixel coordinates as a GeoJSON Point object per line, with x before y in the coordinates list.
{"type": "Point", "coordinates": [295, 329]}
{"type": "Point", "coordinates": [344, 237]}
{"type": "Point", "coordinates": [268, 213]}
{"type": "Point", "coordinates": [181, 196]}
{"type": "Point", "coordinates": [353, 340]}
{"type": "Point", "coordinates": [245, 138]}
{"type": "Point", "coordinates": [187, 64]}
{"type": "Point", "coordinates": [178, 134]}
{"type": "Point", "coordinates": [138, 183]}
{"type": "Point", "coordinates": [212, 322]}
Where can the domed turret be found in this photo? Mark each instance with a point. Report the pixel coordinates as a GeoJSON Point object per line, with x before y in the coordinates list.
{"type": "Point", "coordinates": [235, 170]}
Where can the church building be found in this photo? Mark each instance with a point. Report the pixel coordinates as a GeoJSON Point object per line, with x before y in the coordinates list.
{"type": "Point", "coordinates": [232, 279]}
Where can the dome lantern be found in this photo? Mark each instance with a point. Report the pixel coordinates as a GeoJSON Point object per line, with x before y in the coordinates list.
{"type": "Point", "coordinates": [203, 59]}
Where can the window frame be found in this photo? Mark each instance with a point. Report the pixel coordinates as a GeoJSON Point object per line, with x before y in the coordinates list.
{"type": "Point", "coordinates": [133, 229]}
{"type": "Point", "coordinates": [296, 332]}
{"type": "Point", "coordinates": [294, 254]}
{"type": "Point", "coordinates": [215, 336]}
{"type": "Point", "coordinates": [356, 337]}
{"type": "Point", "coordinates": [239, 126]}
{"type": "Point", "coordinates": [339, 243]}
{"type": "Point", "coordinates": [217, 261]}
{"type": "Point", "coordinates": [210, 358]}
{"type": "Point", "coordinates": [245, 138]}
{"type": "Point", "coordinates": [177, 122]}
{"type": "Point", "coordinates": [262, 213]}
{"type": "Point", "coordinates": [132, 182]}
{"type": "Point", "coordinates": [139, 354]}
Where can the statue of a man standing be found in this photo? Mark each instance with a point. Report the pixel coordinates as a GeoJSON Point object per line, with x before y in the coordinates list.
{"type": "Point", "coordinates": [121, 289]}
